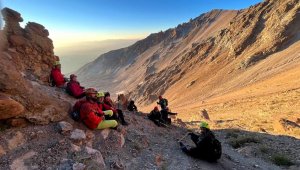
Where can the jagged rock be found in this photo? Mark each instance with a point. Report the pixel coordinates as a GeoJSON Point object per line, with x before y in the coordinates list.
{"type": "Point", "coordinates": [96, 157]}
{"type": "Point", "coordinates": [65, 127]}
{"type": "Point", "coordinates": [78, 166]}
{"type": "Point", "coordinates": [17, 122]}
{"type": "Point", "coordinates": [19, 163]}
{"type": "Point", "coordinates": [17, 140]}
{"type": "Point", "coordinates": [10, 15]}
{"type": "Point", "coordinates": [105, 133]}
{"type": "Point", "coordinates": [17, 40]}
{"type": "Point", "coordinates": [158, 160]}
{"type": "Point", "coordinates": [9, 108]}
{"type": "Point", "coordinates": [75, 148]}
{"type": "Point", "coordinates": [2, 151]}
{"type": "Point", "coordinates": [77, 135]}
{"type": "Point", "coordinates": [36, 28]}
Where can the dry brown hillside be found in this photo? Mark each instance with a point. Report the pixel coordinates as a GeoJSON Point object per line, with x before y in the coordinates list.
{"type": "Point", "coordinates": [241, 66]}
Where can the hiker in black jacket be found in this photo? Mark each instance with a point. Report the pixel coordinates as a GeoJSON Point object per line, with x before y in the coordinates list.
{"type": "Point", "coordinates": [207, 146]}
{"type": "Point", "coordinates": [132, 107]}
{"type": "Point", "coordinates": [155, 116]}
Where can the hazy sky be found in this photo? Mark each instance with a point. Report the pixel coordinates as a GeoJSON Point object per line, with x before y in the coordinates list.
{"type": "Point", "coordinates": [71, 21]}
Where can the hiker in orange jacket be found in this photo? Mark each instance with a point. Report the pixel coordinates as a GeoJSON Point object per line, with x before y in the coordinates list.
{"type": "Point", "coordinates": [58, 78]}
{"type": "Point", "coordinates": [92, 115]}
{"type": "Point", "coordinates": [119, 113]}
{"type": "Point", "coordinates": [74, 88]}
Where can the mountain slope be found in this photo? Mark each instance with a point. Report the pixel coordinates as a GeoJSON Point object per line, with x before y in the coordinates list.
{"type": "Point", "coordinates": [216, 57]}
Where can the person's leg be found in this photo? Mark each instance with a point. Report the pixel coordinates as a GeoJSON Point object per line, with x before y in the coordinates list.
{"type": "Point", "coordinates": [104, 124]}
{"type": "Point", "coordinates": [194, 138]}
{"type": "Point", "coordinates": [121, 117]}
{"type": "Point", "coordinates": [193, 152]}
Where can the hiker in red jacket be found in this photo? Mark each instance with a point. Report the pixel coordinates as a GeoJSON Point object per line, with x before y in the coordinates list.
{"type": "Point", "coordinates": [57, 77]}
{"type": "Point", "coordinates": [74, 88]}
{"type": "Point", "coordinates": [119, 113]}
{"type": "Point", "coordinates": [92, 115]}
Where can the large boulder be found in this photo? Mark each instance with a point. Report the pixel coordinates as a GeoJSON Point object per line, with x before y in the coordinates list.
{"type": "Point", "coordinates": [9, 108]}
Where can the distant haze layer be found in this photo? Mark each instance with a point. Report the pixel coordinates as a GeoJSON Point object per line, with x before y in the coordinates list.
{"type": "Point", "coordinates": [78, 54]}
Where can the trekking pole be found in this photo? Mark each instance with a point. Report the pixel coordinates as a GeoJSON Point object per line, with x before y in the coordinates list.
{"type": "Point", "coordinates": [183, 137]}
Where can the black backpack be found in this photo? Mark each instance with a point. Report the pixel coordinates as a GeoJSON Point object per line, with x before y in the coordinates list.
{"type": "Point", "coordinates": [166, 102]}
{"type": "Point", "coordinates": [216, 150]}
{"type": "Point", "coordinates": [75, 116]}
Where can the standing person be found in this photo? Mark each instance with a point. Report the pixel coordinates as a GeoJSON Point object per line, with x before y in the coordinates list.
{"type": "Point", "coordinates": [119, 113]}
{"type": "Point", "coordinates": [165, 110]}
{"type": "Point", "coordinates": [74, 88]}
{"type": "Point", "coordinates": [207, 146]}
{"type": "Point", "coordinates": [162, 102]}
{"type": "Point", "coordinates": [57, 76]}
{"type": "Point", "coordinates": [92, 115]}
{"type": "Point", "coordinates": [132, 107]}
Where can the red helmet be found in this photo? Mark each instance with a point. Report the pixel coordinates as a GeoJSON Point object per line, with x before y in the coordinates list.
{"type": "Point", "coordinates": [155, 108]}
{"type": "Point", "coordinates": [90, 91]}
{"type": "Point", "coordinates": [160, 97]}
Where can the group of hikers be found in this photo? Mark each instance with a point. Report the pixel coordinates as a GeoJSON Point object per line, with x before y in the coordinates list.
{"type": "Point", "coordinates": [97, 111]}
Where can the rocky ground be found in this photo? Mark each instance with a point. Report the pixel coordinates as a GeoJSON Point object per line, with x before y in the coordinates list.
{"type": "Point", "coordinates": [141, 145]}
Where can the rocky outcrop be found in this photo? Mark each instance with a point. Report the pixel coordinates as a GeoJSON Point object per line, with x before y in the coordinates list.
{"type": "Point", "coordinates": [31, 48]}
{"type": "Point", "coordinates": [9, 108]}
{"type": "Point", "coordinates": [25, 64]}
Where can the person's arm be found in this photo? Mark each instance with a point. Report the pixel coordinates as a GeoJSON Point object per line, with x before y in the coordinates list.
{"type": "Point", "coordinates": [170, 113]}
{"type": "Point", "coordinates": [107, 107]}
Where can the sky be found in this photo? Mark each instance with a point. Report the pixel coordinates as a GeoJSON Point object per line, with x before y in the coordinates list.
{"type": "Point", "coordinates": [70, 21]}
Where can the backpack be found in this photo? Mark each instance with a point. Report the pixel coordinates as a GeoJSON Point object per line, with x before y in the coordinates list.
{"type": "Point", "coordinates": [68, 90]}
{"type": "Point", "coordinates": [166, 101]}
{"type": "Point", "coordinates": [216, 150]}
{"type": "Point", "coordinates": [75, 116]}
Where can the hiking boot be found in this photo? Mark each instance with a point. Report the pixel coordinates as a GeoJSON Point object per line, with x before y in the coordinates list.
{"type": "Point", "coordinates": [124, 123]}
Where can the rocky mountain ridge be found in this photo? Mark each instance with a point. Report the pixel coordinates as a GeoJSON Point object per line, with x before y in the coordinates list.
{"type": "Point", "coordinates": [219, 62]}
{"type": "Point", "coordinates": [26, 60]}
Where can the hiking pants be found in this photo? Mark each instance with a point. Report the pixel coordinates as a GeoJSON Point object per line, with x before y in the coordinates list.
{"type": "Point", "coordinates": [104, 124]}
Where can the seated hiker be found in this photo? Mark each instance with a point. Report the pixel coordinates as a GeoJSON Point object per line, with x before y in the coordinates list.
{"type": "Point", "coordinates": [207, 146]}
{"type": "Point", "coordinates": [119, 113]}
{"type": "Point", "coordinates": [74, 88]}
{"type": "Point", "coordinates": [155, 116]}
{"type": "Point", "coordinates": [104, 107]}
{"type": "Point", "coordinates": [92, 115]}
{"type": "Point", "coordinates": [165, 115]}
{"type": "Point", "coordinates": [56, 76]}
{"type": "Point", "coordinates": [132, 107]}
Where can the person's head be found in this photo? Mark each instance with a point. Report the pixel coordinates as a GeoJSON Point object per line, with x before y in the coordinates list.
{"type": "Point", "coordinates": [160, 97]}
{"type": "Point", "coordinates": [107, 95]}
{"type": "Point", "coordinates": [156, 108]}
{"type": "Point", "coordinates": [56, 64]}
{"type": "Point", "coordinates": [204, 126]}
{"type": "Point", "coordinates": [131, 102]}
{"type": "Point", "coordinates": [73, 77]}
{"type": "Point", "coordinates": [100, 97]}
{"type": "Point", "coordinates": [91, 94]}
